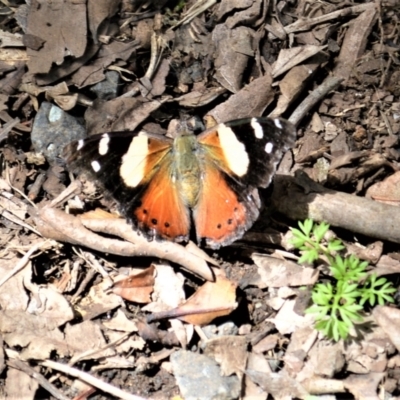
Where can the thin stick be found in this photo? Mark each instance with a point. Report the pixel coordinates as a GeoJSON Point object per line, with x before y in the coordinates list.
{"type": "Point", "coordinates": [22, 262]}
{"type": "Point", "coordinates": [20, 365]}
{"type": "Point", "coordinates": [91, 380]}
{"type": "Point", "coordinates": [313, 98]}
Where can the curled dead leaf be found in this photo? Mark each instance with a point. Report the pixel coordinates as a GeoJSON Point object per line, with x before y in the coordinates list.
{"type": "Point", "coordinates": [138, 287]}
{"type": "Point", "coordinates": [212, 300]}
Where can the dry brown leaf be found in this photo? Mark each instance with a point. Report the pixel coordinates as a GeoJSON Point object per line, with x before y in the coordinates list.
{"type": "Point", "coordinates": [19, 385]}
{"type": "Point", "coordinates": [98, 301]}
{"type": "Point", "coordinates": [255, 362]}
{"type": "Point", "coordinates": [386, 191]}
{"type": "Point", "coordinates": [389, 320]}
{"type": "Point", "coordinates": [287, 320]}
{"type": "Point", "coordinates": [275, 272]}
{"type": "Point", "coordinates": [138, 287]}
{"type": "Point", "coordinates": [212, 300]}
{"type": "Point", "coordinates": [288, 58]}
{"type": "Point", "coordinates": [86, 342]}
{"type": "Point", "coordinates": [229, 352]}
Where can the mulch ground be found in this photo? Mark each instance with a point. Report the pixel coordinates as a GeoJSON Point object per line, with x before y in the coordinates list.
{"type": "Point", "coordinates": [91, 309]}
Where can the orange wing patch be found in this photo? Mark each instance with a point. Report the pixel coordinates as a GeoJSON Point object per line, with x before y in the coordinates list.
{"type": "Point", "coordinates": [162, 210]}
{"type": "Point", "coordinates": [213, 145]}
{"type": "Point", "coordinates": [219, 216]}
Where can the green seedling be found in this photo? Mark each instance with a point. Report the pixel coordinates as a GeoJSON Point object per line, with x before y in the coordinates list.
{"type": "Point", "coordinates": [337, 305]}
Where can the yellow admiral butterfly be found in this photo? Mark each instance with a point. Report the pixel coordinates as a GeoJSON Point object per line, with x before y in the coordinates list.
{"type": "Point", "coordinates": [208, 182]}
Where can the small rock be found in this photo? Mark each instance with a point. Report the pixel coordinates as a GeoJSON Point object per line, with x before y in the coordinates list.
{"type": "Point", "coordinates": [53, 129]}
{"type": "Point", "coordinates": [107, 89]}
{"type": "Point", "coordinates": [199, 377]}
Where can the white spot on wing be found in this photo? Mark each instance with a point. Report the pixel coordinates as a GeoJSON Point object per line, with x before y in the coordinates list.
{"type": "Point", "coordinates": [81, 142]}
{"type": "Point", "coordinates": [103, 144]}
{"type": "Point", "coordinates": [234, 151]}
{"type": "Point", "coordinates": [277, 123]}
{"type": "Point", "coordinates": [268, 147]}
{"type": "Point", "coordinates": [258, 130]}
{"type": "Point", "coordinates": [96, 166]}
{"type": "Point", "coordinates": [133, 165]}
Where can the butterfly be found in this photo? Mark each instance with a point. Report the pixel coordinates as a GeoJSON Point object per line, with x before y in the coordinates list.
{"type": "Point", "coordinates": [204, 185]}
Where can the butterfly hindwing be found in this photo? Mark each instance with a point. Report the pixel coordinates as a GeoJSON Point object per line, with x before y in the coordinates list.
{"type": "Point", "coordinates": [222, 216]}
{"type": "Point", "coordinates": [160, 211]}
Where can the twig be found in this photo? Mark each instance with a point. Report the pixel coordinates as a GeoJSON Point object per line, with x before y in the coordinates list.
{"type": "Point", "coordinates": [89, 276]}
{"type": "Point", "coordinates": [91, 380]}
{"type": "Point", "coordinates": [37, 185]}
{"type": "Point", "coordinates": [20, 365]}
{"type": "Point", "coordinates": [13, 218]}
{"type": "Point", "coordinates": [197, 8]}
{"type": "Point", "coordinates": [7, 128]}
{"type": "Point", "coordinates": [57, 225]}
{"type": "Point", "coordinates": [156, 51]}
{"type": "Point", "coordinates": [305, 24]}
{"type": "Point", "coordinates": [91, 352]}
{"type": "Point", "coordinates": [72, 190]}
{"type": "Point", "coordinates": [22, 262]}
{"type": "Point", "coordinates": [313, 98]}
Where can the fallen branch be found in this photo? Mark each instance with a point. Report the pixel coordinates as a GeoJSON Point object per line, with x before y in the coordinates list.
{"type": "Point", "coordinates": [299, 198]}
{"type": "Point", "coordinates": [55, 224]}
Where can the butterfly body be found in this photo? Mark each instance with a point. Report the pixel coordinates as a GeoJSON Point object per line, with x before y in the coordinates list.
{"type": "Point", "coordinates": [165, 186]}
{"type": "Point", "coordinates": [187, 167]}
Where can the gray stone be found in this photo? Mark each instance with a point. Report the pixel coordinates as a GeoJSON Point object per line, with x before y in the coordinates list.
{"type": "Point", "coordinates": [52, 129]}
{"type": "Point", "coordinates": [107, 89]}
{"type": "Point", "coordinates": [199, 378]}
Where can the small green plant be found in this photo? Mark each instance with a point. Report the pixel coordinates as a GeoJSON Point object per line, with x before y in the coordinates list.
{"type": "Point", "coordinates": [338, 305]}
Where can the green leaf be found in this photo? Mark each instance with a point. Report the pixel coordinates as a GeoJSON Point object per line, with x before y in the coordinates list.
{"type": "Point", "coordinates": [307, 226]}
{"type": "Point", "coordinates": [320, 230]}
{"type": "Point", "coordinates": [343, 330]}
{"type": "Point", "coordinates": [335, 245]}
{"type": "Point", "coordinates": [309, 256]}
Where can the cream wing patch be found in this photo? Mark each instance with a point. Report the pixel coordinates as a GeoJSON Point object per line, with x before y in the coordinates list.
{"type": "Point", "coordinates": [133, 164]}
{"type": "Point", "coordinates": [103, 144]}
{"type": "Point", "coordinates": [234, 151]}
{"type": "Point", "coordinates": [95, 166]}
{"type": "Point", "coordinates": [258, 130]}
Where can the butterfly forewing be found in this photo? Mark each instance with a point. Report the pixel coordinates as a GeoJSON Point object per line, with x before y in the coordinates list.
{"type": "Point", "coordinates": [132, 168]}
{"type": "Point", "coordinates": [250, 149]}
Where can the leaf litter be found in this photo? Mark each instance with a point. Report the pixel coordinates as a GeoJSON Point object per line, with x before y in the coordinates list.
{"type": "Point", "coordinates": [86, 306]}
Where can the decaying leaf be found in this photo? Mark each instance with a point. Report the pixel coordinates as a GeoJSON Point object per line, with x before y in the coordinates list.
{"type": "Point", "coordinates": [138, 287]}
{"type": "Point", "coordinates": [230, 352]}
{"type": "Point", "coordinates": [212, 300]}
{"type": "Point", "coordinates": [98, 301]}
